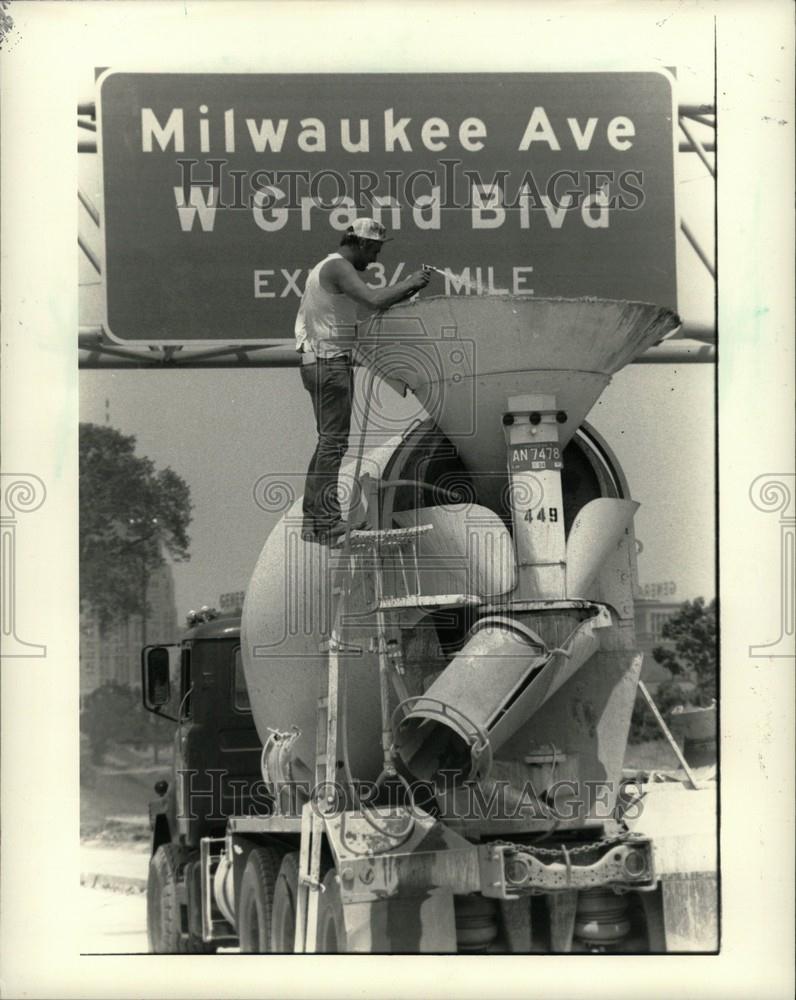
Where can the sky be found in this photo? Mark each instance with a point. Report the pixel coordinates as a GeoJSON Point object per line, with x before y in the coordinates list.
{"type": "Point", "coordinates": [222, 430]}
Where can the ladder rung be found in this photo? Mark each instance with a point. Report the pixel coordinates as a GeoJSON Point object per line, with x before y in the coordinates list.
{"type": "Point", "coordinates": [429, 601]}
{"type": "Point", "coordinates": [336, 646]}
{"type": "Point", "coordinates": [389, 538]}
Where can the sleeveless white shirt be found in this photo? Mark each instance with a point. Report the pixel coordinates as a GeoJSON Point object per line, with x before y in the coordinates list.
{"type": "Point", "coordinates": [326, 322]}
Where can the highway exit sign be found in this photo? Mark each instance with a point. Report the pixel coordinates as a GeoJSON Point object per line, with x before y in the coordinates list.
{"type": "Point", "coordinates": [220, 191]}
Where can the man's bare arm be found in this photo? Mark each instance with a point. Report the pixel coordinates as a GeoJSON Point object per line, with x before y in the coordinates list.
{"type": "Point", "coordinates": [342, 274]}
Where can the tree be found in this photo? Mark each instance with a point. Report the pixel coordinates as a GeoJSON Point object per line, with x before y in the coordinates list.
{"type": "Point", "coordinates": [113, 713]}
{"type": "Point", "coordinates": [693, 634]}
{"type": "Point", "coordinates": [107, 715]}
{"type": "Point", "coordinates": [691, 659]}
{"type": "Point", "coordinates": [130, 514]}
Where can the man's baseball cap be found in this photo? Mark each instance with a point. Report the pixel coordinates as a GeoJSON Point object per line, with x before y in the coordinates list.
{"type": "Point", "coordinates": [368, 229]}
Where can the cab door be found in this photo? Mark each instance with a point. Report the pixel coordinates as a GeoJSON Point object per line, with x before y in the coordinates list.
{"type": "Point", "coordinates": [242, 791]}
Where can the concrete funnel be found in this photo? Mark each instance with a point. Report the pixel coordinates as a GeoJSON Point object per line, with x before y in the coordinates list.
{"type": "Point", "coordinates": [463, 357]}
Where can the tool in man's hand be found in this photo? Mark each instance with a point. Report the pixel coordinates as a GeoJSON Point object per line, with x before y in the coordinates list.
{"type": "Point", "coordinates": [428, 267]}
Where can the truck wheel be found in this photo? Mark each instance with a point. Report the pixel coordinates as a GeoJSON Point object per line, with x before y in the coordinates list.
{"type": "Point", "coordinates": [331, 925]}
{"type": "Point", "coordinates": [163, 909]}
{"type": "Point", "coordinates": [163, 918]}
{"type": "Point", "coordinates": [255, 909]}
{"type": "Point", "coordinates": [283, 923]}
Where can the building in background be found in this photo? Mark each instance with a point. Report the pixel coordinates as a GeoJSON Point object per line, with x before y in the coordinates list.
{"type": "Point", "coordinates": [652, 612]}
{"type": "Point", "coordinates": [231, 603]}
{"type": "Point", "coordinates": [116, 656]}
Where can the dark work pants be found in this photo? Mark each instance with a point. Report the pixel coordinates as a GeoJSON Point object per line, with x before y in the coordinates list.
{"type": "Point", "coordinates": [331, 388]}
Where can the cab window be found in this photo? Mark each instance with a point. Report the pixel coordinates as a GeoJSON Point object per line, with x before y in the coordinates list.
{"type": "Point", "coordinates": [240, 693]}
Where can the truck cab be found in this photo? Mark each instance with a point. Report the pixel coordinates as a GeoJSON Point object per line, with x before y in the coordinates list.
{"type": "Point", "coordinates": [199, 684]}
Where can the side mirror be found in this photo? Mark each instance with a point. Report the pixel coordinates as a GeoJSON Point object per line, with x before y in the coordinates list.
{"type": "Point", "coordinates": [156, 677]}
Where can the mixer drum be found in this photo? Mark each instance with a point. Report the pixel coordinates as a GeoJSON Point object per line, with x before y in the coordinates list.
{"type": "Point", "coordinates": [287, 617]}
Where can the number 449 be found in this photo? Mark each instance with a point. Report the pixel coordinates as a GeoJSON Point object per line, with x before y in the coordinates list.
{"type": "Point", "coordinates": [540, 515]}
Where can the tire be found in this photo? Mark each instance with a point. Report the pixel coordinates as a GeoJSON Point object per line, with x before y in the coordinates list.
{"type": "Point", "coordinates": [163, 918]}
{"type": "Point", "coordinates": [283, 922]}
{"type": "Point", "coordinates": [331, 924]}
{"type": "Point", "coordinates": [256, 903]}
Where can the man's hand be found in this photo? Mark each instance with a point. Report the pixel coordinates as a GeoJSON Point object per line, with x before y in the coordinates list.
{"type": "Point", "coordinates": [343, 276]}
{"type": "Point", "coordinates": [419, 279]}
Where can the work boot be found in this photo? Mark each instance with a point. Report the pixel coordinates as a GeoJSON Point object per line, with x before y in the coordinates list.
{"type": "Point", "coordinates": [333, 535]}
{"type": "Point", "coordinates": [308, 530]}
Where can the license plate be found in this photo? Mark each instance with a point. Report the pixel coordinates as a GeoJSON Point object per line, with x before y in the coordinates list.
{"type": "Point", "coordinates": [535, 457]}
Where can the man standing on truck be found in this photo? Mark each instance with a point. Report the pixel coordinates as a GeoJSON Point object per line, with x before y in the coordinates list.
{"type": "Point", "coordinates": [326, 331]}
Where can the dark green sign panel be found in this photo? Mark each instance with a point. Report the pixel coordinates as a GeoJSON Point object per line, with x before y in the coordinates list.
{"type": "Point", "coordinates": [220, 191]}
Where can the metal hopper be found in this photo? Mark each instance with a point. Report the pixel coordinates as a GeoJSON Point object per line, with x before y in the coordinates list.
{"type": "Point", "coordinates": [464, 356]}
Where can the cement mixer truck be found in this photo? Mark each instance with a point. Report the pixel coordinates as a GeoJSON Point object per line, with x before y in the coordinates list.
{"type": "Point", "coordinates": [414, 741]}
